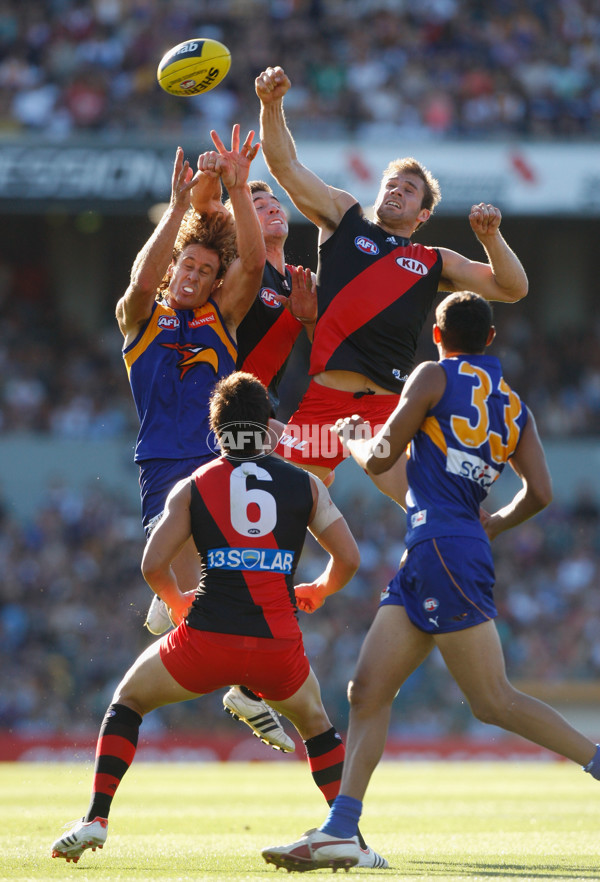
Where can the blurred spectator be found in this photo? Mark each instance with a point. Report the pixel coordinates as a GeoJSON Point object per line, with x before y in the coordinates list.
{"type": "Point", "coordinates": [71, 384]}
{"type": "Point", "coordinates": [455, 68]}
{"type": "Point", "coordinates": [72, 603]}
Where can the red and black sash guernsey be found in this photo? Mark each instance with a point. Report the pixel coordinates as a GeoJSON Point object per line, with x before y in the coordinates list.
{"type": "Point", "coordinates": [375, 291]}
{"type": "Point", "coordinates": [249, 522]}
{"type": "Point", "coordinates": [267, 333]}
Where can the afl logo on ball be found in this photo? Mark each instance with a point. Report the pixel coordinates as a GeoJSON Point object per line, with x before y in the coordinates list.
{"type": "Point", "coordinates": [269, 298]}
{"type": "Point", "coordinates": [367, 246]}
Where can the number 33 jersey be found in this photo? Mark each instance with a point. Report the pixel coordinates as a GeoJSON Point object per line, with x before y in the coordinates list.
{"type": "Point", "coordinates": [249, 521]}
{"type": "Point", "coordinates": [461, 448]}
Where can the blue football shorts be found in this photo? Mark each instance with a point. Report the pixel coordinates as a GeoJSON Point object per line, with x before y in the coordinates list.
{"type": "Point", "coordinates": [157, 479]}
{"type": "Point", "coordinates": [445, 584]}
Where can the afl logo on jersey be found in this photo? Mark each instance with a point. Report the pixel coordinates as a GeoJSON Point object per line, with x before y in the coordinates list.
{"type": "Point", "coordinates": [430, 604]}
{"type": "Point", "coordinates": [269, 298]}
{"type": "Point", "coordinates": [413, 266]}
{"type": "Point", "coordinates": [367, 246]}
{"type": "Point", "coordinates": [168, 322]}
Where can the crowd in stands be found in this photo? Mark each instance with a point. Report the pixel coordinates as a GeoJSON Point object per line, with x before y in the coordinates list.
{"type": "Point", "coordinates": [371, 68]}
{"type": "Point", "coordinates": [72, 598]}
{"type": "Point", "coordinates": [65, 383]}
{"type": "Point", "coordinates": [72, 604]}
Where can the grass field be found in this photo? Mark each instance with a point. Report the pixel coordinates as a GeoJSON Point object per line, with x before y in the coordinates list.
{"type": "Point", "coordinates": [483, 821]}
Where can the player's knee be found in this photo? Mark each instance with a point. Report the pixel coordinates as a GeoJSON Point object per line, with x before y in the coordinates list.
{"type": "Point", "coordinates": [359, 696]}
{"type": "Point", "coordinates": [494, 709]}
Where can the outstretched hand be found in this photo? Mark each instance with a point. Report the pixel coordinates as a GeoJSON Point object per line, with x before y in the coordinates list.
{"type": "Point", "coordinates": [232, 166]}
{"type": "Point", "coordinates": [182, 181]}
{"type": "Point", "coordinates": [302, 299]}
{"type": "Point", "coordinates": [485, 220]}
{"type": "Point", "coordinates": [272, 84]}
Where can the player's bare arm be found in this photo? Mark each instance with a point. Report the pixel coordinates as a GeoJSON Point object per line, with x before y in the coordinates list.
{"type": "Point", "coordinates": [502, 278]}
{"type": "Point", "coordinates": [529, 463]}
{"type": "Point", "coordinates": [150, 266]}
{"type": "Point", "coordinates": [331, 531]}
{"type": "Point", "coordinates": [243, 278]}
{"type": "Point", "coordinates": [207, 195]}
{"type": "Point", "coordinates": [422, 391]}
{"type": "Point", "coordinates": [163, 546]}
{"type": "Point", "coordinates": [323, 205]}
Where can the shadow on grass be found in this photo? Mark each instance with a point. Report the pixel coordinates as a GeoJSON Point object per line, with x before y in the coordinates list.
{"type": "Point", "coordinates": [447, 869]}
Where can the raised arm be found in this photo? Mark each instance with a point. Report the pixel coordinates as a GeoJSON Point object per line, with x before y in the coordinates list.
{"type": "Point", "coordinates": [207, 194]}
{"type": "Point", "coordinates": [243, 278]}
{"type": "Point", "coordinates": [323, 205]}
{"type": "Point", "coordinates": [149, 267]}
{"type": "Point", "coordinates": [502, 278]}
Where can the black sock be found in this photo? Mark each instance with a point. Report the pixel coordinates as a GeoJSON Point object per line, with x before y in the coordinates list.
{"type": "Point", "coordinates": [249, 693]}
{"type": "Point", "coordinates": [115, 751]}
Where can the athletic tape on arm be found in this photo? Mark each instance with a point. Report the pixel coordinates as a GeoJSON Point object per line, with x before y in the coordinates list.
{"type": "Point", "coordinates": [326, 512]}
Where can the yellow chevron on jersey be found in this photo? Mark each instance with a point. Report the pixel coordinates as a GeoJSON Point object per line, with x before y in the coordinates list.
{"type": "Point", "coordinates": [433, 430]}
{"type": "Point", "coordinates": [207, 314]}
{"type": "Point", "coordinates": [173, 366]}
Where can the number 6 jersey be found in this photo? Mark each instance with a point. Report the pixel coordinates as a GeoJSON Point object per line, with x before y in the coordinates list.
{"type": "Point", "coordinates": [461, 448]}
{"type": "Point", "coordinates": [249, 520]}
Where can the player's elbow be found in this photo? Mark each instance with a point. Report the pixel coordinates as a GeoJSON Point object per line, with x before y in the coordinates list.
{"type": "Point", "coordinates": [377, 465]}
{"type": "Point", "coordinates": [521, 291]}
{"type": "Point", "coordinates": [544, 494]}
{"type": "Point", "coordinates": [540, 495]}
{"type": "Point", "coordinates": [347, 562]}
{"type": "Point", "coordinates": [517, 291]}
{"type": "Point", "coordinates": [151, 567]}
{"type": "Point", "coordinates": [353, 561]}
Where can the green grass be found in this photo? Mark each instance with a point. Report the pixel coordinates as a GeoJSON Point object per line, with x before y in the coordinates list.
{"type": "Point", "coordinates": [435, 821]}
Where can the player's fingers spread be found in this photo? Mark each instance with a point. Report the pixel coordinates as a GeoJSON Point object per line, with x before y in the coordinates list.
{"type": "Point", "coordinates": [235, 138]}
{"type": "Point", "coordinates": [217, 141]}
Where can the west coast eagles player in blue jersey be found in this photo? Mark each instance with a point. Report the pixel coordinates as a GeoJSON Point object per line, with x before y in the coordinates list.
{"type": "Point", "coordinates": [463, 423]}
{"type": "Point", "coordinates": [178, 318]}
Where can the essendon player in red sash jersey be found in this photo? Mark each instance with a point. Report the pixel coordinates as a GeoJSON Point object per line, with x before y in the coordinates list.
{"type": "Point", "coordinates": [375, 287]}
{"type": "Point", "coordinates": [248, 514]}
{"type": "Point", "coordinates": [268, 332]}
{"type": "Point", "coordinates": [271, 326]}
{"type": "Point", "coordinates": [248, 586]}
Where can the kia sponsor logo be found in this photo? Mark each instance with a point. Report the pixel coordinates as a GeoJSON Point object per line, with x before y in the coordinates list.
{"type": "Point", "coordinates": [269, 298]}
{"type": "Point", "coordinates": [367, 246]}
{"type": "Point", "coordinates": [412, 265]}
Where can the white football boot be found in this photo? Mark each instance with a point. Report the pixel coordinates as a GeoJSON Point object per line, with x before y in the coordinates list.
{"type": "Point", "coordinates": [81, 836]}
{"type": "Point", "coordinates": [261, 718]}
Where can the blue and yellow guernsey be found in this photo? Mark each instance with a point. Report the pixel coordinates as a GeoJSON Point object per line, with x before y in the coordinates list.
{"type": "Point", "coordinates": [461, 448]}
{"type": "Point", "coordinates": [173, 365]}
